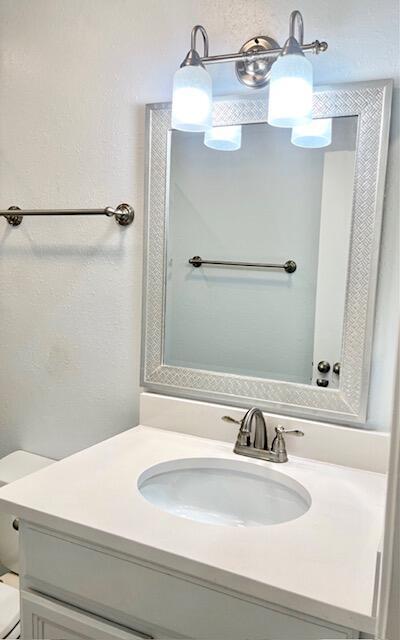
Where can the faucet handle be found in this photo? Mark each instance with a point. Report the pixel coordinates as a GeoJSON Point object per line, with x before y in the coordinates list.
{"type": "Point", "coordinates": [230, 419]}
{"type": "Point", "coordinates": [243, 437]}
{"type": "Point", "coordinates": [293, 432]}
{"type": "Point", "coordinates": [278, 444]}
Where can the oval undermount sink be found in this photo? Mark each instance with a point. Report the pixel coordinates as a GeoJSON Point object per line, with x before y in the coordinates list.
{"type": "Point", "coordinates": [224, 492]}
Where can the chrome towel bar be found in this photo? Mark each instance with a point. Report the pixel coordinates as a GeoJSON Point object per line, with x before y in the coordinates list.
{"type": "Point", "coordinates": [289, 266]}
{"type": "Point", "coordinates": [123, 213]}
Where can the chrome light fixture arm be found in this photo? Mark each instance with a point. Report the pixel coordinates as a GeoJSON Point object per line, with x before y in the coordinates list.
{"type": "Point", "coordinates": [193, 57]}
{"type": "Point", "coordinates": [296, 17]}
{"type": "Point", "coordinates": [258, 50]}
{"type": "Point", "coordinates": [196, 29]}
{"type": "Point", "coordinates": [313, 47]}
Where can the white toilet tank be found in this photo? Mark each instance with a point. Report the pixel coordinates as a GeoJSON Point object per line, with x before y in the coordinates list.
{"type": "Point", "coordinates": [12, 467]}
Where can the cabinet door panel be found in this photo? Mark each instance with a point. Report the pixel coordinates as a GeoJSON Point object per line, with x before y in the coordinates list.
{"type": "Point", "coordinates": [44, 619]}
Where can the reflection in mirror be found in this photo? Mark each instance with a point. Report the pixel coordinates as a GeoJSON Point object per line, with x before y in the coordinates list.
{"type": "Point", "coordinates": [268, 202]}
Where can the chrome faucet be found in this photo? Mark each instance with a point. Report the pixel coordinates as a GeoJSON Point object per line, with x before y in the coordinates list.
{"type": "Point", "coordinates": [257, 447]}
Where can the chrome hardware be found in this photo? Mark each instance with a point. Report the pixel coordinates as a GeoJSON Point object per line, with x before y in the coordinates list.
{"type": "Point", "coordinates": [192, 58]}
{"type": "Point", "coordinates": [15, 524]}
{"type": "Point", "coordinates": [196, 29]}
{"type": "Point", "coordinates": [279, 444]}
{"type": "Point", "coordinates": [296, 18]}
{"type": "Point", "coordinates": [258, 447]}
{"type": "Point", "coordinates": [322, 382]}
{"type": "Point", "coordinates": [315, 47]}
{"type": "Point", "coordinates": [323, 366]}
{"type": "Point", "coordinates": [123, 213]}
{"type": "Point", "coordinates": [336, 368]}
{"type": "Point", "coordinates": [243, 435]}
{"type": "Point", "coordinates": [260, 430]}
{"type": "Point", "coordinates": [257, 55]}
{"type": "Point", "coordinates": [289, 266]}
{"type": "Point", "coordinates": [256, 73]}
{"type": "Point", "coordinates": [230, 419]}
{"type": "Point", "coordinates": [15, 219]}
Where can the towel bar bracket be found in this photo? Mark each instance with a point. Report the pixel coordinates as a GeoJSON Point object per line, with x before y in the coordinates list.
{"type": "Point", "coordinates": [14, 219]}
{"type": "Point", "coordinates": [124, 214]}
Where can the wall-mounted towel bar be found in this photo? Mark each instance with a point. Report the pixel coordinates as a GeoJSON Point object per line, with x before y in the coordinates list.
{"type": "Point", "coordinates": [123, 214]}
{"type": "Point", "coordinates": [289, 266]}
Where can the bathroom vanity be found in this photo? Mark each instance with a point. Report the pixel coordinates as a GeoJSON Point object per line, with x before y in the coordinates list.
{"type": "Point", "coordinates": [263, 302]}
{"type": "Point", "coordinates": [100, 560]}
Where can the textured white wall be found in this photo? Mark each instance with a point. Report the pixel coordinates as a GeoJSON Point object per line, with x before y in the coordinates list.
{"type": "Point", "coordinates": [74, 76]}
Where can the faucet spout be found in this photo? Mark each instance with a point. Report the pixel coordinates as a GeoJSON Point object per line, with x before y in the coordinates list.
{"type": "Point", "coordinates": [260, 430]}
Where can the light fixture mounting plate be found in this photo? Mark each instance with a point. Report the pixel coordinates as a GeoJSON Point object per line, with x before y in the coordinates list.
{"type": "Point", "coordinates": [256, 73]}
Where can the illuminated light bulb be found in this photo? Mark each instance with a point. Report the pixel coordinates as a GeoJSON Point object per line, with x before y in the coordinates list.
{"type": "Point", "coordinates": [192, 90]}
{"type": "Point", "coordinates": [317, 133]}
{"type": "Point", "coordinates": [224, 138]}
{"type": "Point", "coordinates": [192, 99]}
{"type": "Point", "coordinates": [291, 87]}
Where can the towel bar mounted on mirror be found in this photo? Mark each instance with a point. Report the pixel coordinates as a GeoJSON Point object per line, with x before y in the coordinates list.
{"type": "Point", "coordinates": [289, 266]}
{"type": "Point", "coordinates": [123, 213]}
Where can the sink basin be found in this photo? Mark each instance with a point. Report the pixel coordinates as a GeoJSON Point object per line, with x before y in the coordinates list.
{"type": "Point", "coordinates": [224, 492]}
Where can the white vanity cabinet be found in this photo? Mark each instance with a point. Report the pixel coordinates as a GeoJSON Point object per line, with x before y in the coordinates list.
{"type": "Point", "coordinates": [73, 589]}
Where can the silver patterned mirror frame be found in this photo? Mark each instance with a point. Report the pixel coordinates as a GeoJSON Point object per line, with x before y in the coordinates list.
{"type": "Point", "coordinates": [371, 103]}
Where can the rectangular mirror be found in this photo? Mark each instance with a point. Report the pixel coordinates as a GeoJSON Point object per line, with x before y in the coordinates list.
{"type": "Point", "coordinates": [225, 206]}
{"type": "Point", "coordinates": [288, 325]}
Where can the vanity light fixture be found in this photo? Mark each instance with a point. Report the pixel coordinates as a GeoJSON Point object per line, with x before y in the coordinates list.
{"type": "Point", "coordinates": [224, 138]}
{"type": "Point", "coordinates": [291, 82]}
{"type": "Point", "coordinates": [315, 134]}
{"type": "Point", "coordinates": [192, 90]}
{"type": "Point", "coordinates": [259, 61]}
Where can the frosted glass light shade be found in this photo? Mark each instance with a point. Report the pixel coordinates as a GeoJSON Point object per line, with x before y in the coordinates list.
{"type": "Point", "coordinates": [224, 138]}
{"type": "Point", "coordinates": [318, 133]}
{"type": "Point", "coordinates": [291, 91]}
{"type": "Point", "coordinates": [192, 99]}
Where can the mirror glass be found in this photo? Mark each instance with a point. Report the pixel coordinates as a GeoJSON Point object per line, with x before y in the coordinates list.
{"type": "Point", "coordinates": [268, 202]}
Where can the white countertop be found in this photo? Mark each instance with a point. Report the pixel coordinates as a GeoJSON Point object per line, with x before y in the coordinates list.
{"type": "Point", "coordinates": [322, 563]}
